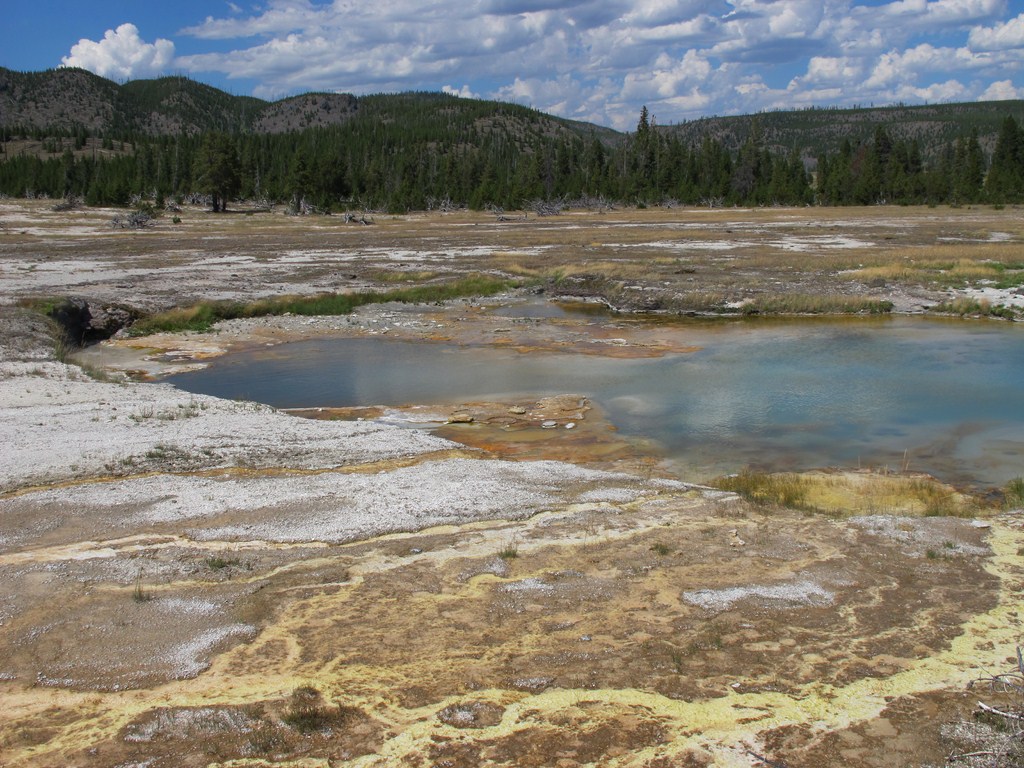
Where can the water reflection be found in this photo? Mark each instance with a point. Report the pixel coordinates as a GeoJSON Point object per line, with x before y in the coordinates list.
{"type": "Point", "coordinates": [947, 397]}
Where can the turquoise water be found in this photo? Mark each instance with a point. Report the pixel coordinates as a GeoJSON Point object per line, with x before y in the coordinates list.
{"type": "Point", "coordinates": [945, 397]}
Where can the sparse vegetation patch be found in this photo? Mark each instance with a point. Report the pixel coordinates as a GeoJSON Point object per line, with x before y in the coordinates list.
{"type": "Point", "coordinates": [852, 493]}
{"type": "Point", "coordinates": [201, 317]}
{"type": "Point", "coordinates": [307, 711]}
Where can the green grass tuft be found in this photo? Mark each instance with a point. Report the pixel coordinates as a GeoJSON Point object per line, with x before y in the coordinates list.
{"type": "Point", "coordinates": [804, 304]}
{"type": "Point", "coordinates": [965, 306]}
{"type": "Point", "coordinates": [1013, 493]}
{"type": "Point", "coordinates": [307, 711]}
{"type": "Point", "coordinates": [786, 490]}
{"type": "Point", "coordinates": [202, 317]}
{"type": "Point", "coordinates": [510, 551]}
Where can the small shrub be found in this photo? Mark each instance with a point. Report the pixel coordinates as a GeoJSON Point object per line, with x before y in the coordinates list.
{"type": "Point", "coordinates": [219, 563]}
{"type": "Point", "coordinates": [1013, 494]}
{"type": "Point", "coordinates": [660, 549]}
{"type": "Point", "coordinates": [265, 739]}
{"type": "Point", "coordinates": [140, 594]}
{"type": "Point", "coordinates": [510, 552]}
{"type": "Point", "coordinates": [966, 306]}
{"type": "Point", "coordinates": [307, 711]}
{"type": "Point", "coordinates": [786, 490]}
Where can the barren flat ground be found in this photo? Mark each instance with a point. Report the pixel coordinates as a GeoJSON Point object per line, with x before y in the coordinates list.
{"type": "Point", "coordinates": [188, 581]}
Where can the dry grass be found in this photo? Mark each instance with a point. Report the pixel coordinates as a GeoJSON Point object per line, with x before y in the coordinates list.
{"type": "Point", "coordinates": [852, 493]}
{"type": "Point", "coordinates": [701, 301]}
{"type": "Point", "coordinates": [617, 269]}
{"type": "Point", "coordinates": [804, 304]}
{"type": "Point", "coordinates": [971, 307]}
{"type": "Point", "coordinates": [410, 276]}
{"type": "Point", "coordinates": [953, 265]}
{"type": "Point", "coordinates": [1013, 493]}
{"type": "Point", "coordinates": [663, 252]}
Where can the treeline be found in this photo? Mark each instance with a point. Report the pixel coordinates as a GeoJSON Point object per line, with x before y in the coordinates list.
{"type": "Point", "coordinates": [418, 151]}
{"type": "Point", "coordinates": [883, 171]}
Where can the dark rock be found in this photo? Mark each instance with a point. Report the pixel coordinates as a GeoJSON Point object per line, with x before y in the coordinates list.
{"type": "Point", "coordinates": [86, 323]}
{"type": "Point", "coordinates": [108, 319]}
{"type": "Point", "coordinates": [72, 314]}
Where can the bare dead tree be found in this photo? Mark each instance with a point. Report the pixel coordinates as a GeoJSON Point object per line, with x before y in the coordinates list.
{"type": "Point", "coordinates": [443, 204]}
{"type": "Point", "coordinates": [995, 738]}
{"type": "Point", "coordinates": [589, 203]}
{"type": "Point", "coordinates": [133, 220]}
{"type": "Point", "coordinates": [69, 203]}
{"type": "Point", "coordinates": [196, 198]}
{"type": "Point", "coordinates": [547, 207]}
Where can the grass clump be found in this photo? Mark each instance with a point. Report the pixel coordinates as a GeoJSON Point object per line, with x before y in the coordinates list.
{"type": "Point", "coordinates": [397, 278]}
{"type": "Point", "coordinates": [509, 552]}
{"type": "Point", "coordinates": [140, 594]}
{"type": "Point", "coordinates": [852, 493]}
{"type": "Point", "coordinates": [967, 306]}
{"type": "Point", "coordinates": [220, 563]}
{"type": "Point", "coordinates": [805, 304]}
{"type": "Point", "coordinates": [202, 317]}
{"type": "Point", "coordinates": [784, 489]}
{"type": "Point", "coordinates": [1013, 493]}
{"type": "Point", "coordinates": [307, 711]}
{"type": "Point", "coordinates": [947, 266]}
{"type": "Point", "coordinates": [700, 301]}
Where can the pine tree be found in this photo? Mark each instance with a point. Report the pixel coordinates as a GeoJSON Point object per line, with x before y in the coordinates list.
{"type": "Point", "coordinates": [218, 170]}
{"type": "Point", "coordinates": [1005, 182]}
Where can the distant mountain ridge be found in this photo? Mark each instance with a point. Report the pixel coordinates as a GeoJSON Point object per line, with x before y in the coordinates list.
{"type": "Point", "coordinates": [812, 132]}
{"type": "Point", "coordinates": [72, 99]}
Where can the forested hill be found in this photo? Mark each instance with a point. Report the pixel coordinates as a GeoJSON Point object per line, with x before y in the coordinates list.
{"type": "Point", "coordinates": [813, 132]}
{"type": "Point", "coordinates": [73, 101]}
{"type": "Point", "coordinates": [70, 133]}
{"type": "Point", "coordinates": [63, 101]}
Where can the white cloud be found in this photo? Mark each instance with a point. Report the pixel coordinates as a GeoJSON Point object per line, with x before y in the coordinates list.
{"type": "Point", "coordinates": [668, 78]}
{"type": "Point", "coordinates": [122, 54]}
{"type": "Point", "coordinates": [1001, 37]}
{"type": "Point", "coordinates": [601, 60]}
{"type": "Point", "coordinates": [950, 90]}
{"type": "Point", "coordinates": [908, 66]}
{"type": "Point", "coordinates": [464, 92]}
{"type": "Point", "coordinates": [932, 13]}
{"type": "Point", "coordinates": [1001, 90]}
{"type": "Point", "coordinates": [829, 70]}
{"type": "Point", "coordinates": [554, 95]}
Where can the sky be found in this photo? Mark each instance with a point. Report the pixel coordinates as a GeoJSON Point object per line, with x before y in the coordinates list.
{"type": "Point", "coordinates": [594, 60]}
